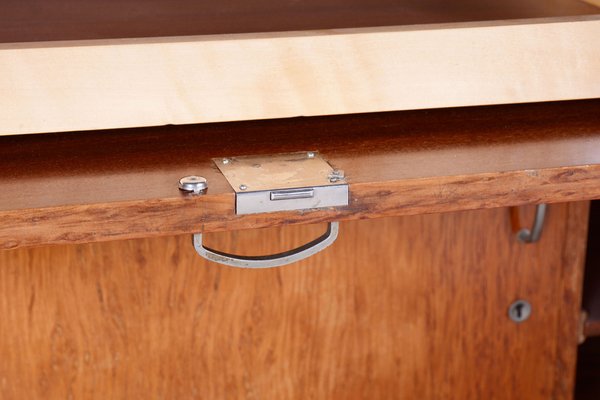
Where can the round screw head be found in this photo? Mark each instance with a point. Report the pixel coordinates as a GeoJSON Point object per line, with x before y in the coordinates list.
{"type": "Point", "coordinates": [226, 161]}
{"type": "Point", "coordinates": [310, 154]}
{"type": "Point", "coordinates": [193, 184]}
{"type": "Point", "coordinates": [243, 187]}
{"type": "Point", "coordinates": [336, 175]}
{"type": "Point", "coordinates": [519, 311]}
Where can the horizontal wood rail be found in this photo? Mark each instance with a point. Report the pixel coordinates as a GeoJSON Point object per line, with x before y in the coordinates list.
{"type": "Point", "coordinates": [105, 185]}
{"type": "Point", "coordinates": [73, 86]}
{"type": "Point", "coordinates": [83, 65]}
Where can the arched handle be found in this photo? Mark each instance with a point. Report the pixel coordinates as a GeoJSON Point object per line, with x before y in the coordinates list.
{"type": "Point", "coordinates": [533, 235]}
{"type": "Point", "coordinates": [270, 261]}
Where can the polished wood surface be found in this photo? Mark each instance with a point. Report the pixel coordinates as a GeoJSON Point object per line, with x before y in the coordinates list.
{"type": "Point", "coordinates": [94, 186]}
{"type": "Point", "coordinates": [411, 307]}
{"type": "Point", "coordinates": [45, 20]}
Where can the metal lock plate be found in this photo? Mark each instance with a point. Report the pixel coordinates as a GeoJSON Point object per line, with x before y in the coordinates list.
{"type": "Point", "coordinates": [283, 182]}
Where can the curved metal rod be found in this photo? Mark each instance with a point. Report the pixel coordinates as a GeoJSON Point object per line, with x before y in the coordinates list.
{"type": "Point", "coordinates": [273, 260]}
{"type": "Point", "coordinates": [531, 236]}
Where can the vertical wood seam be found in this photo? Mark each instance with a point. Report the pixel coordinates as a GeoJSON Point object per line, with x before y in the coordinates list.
{"type": "Point", "coordinates": [571, 281]}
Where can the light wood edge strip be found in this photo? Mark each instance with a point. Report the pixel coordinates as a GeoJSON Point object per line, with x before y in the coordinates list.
{"type": "Point", "coordinates": [121, 84]}
{"type": "Point", "coordinates": [593, 2]}
{"type": "Point", "coordinates": [571, 281]}
{"type": "Point", "coordinates": [210, 213]}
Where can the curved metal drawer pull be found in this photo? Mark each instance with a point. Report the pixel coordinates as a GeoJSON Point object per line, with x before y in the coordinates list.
{"type": "Point", "coordinates": [270, 261]}
{"type": "Point", "coordinates": [531, 236]}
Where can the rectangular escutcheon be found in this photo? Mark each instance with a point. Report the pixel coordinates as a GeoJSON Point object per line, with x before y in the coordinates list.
{"type": "Point", "coordinates": [283, 182]}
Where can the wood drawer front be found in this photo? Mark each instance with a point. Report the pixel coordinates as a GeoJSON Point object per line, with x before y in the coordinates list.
{"type": "Point", "coordinates": [58, 73]}
{"type": "Point", "coordinates": [410, 307]}
{"type": "Point", "coordinates": [63, 188]}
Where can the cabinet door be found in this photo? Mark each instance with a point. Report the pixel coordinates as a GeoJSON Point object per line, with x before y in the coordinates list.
{"type": "Point", "coordinates": [404, 307]}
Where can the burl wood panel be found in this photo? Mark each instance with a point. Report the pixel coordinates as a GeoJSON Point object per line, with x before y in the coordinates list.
{"type": "Point", "coordinates": [410, 307]}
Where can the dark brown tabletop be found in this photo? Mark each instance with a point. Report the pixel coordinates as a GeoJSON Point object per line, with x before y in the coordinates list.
{"type": "Point", "coordinates": [49, 20]}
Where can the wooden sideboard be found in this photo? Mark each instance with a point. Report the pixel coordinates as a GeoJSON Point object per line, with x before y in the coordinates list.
{"type": "Point", "coordinates": [103, 295]}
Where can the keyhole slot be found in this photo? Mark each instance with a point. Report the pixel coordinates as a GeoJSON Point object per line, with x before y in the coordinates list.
{"type": "Point", "coordinates": [519, 311]}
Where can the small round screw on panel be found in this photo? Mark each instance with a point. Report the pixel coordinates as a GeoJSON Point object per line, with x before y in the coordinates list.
{"type": "Point", "coordinates": [193, 184]}
{"type": "Point", "coordinates": [336, 175]}
{"type": "Point", "coordinates": [243, 187]}
{"type": "Point", "coordinates": [519, 311]}
{"type": "Point", "coordinates": [310, 154]}
{"type": "Point", "coordinates": [226, 161]}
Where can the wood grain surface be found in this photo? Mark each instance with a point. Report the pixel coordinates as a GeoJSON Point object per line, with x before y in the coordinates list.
{"type": "Point", "coordinates": [123, 184]}
{"type": "Point", "coordinates": [48, 20]}
{"type": "Point", "coordinates": [121, 83]}
{"type": "Point", "coordinates": [411, 307]}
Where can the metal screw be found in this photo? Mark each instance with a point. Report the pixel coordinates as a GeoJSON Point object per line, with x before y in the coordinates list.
{"type": "Point", "coordinates": [226, 161]}
{"type": "Point", "coordinates": [243, 187]}
{"type": "Point", "coordinates": [310, 154]}
{"type": "Point", "coordinates": [519, 311]}
{"type": "Point", "coordinates": [336, 175]}
{"type": "Point", "coordinates": [193, 184]}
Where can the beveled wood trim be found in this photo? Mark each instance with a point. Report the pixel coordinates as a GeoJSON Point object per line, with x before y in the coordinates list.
{"type": "Point", "coordinates": [118, 185]}
{"type": "Point", "coordinates": [210, 213]}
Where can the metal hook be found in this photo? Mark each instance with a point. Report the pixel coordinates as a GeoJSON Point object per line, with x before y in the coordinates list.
{"type": "Point", "coordinates": [531, 236]}
{"type": "Point", "coordinates": [270, 261]}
